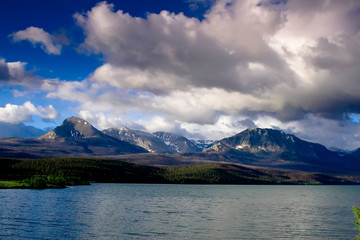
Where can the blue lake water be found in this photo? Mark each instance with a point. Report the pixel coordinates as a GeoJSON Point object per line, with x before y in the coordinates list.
{"type": "Point", "coordinates": [151, 211]}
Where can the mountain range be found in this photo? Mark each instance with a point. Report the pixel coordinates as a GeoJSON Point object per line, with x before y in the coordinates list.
{"type": "Point", "coordinates": [252, 147]}
{"type": "Point", "coordinates": [158, 142]}
{"type": "Point", "coordinates": [74, 137]}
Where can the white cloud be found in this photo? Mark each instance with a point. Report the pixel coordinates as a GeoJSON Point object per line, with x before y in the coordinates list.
{"type": "Point", "coordinates": [23, 113]}
{"type": "Point", "coordinates": [37, 35]}
{"type": "Point", "coordinates": [172, 56]}
{"type": "Point", "coordinates": [100, 120]}
{"type": "Point", "coordinates": [283, 65]}
{"type": "Point", "coordinates": [159, 124]}
{"type": "Point", "coordinates": [332, 133]}
{"type": "Point", "coordinates": [128, 78]}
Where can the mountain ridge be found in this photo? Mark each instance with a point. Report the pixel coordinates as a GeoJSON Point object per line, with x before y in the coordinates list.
{"type": "Point", "coordinates": [255, 146]}
{"type": "Point", "coordinates": [278, 148]}
{"type": "Point", "coordinates": [74, 137]}
{"type": "Point", "coordinates": [178, 143]}
{"type": "Point", "coordinates": [140, 138]}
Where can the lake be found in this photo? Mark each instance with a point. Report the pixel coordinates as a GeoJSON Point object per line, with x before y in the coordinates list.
{"type": "Point", "coordinates": [153, 211]}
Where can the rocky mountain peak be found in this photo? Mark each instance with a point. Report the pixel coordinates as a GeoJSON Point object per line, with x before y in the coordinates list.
{"type": "Point", "coordinates": [140, 138]}
{"type": "Point", "coordinates": [178, 143]}
{"type": "Point", "coordinates": [203, 144]}
{"type": "Point", "coordinates": [258, 139]}
{"type": "Point", "coordinates": [77, 135]}
{"type": "Point", "coordinates": [73, 128]}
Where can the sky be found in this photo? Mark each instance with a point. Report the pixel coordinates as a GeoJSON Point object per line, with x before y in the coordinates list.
{"type": "Point", "coordinates": [205, 69]}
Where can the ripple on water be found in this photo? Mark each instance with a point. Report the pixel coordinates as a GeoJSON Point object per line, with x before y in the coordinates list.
{"type": "Point", "coordinates": [131, 211]}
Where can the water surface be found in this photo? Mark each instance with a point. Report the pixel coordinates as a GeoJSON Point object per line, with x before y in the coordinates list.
{"type": "Point", "coordinates": [151, 211]}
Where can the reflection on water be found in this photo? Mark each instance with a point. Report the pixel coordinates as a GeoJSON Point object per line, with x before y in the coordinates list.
{"type": "Point", "coordinates": [136, 211]}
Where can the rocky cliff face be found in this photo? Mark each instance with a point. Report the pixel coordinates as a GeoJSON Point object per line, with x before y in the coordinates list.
{"type": "Point", "coordinates": [140, 138]}
{"type": "Point", "coordinates": [72, 128]}
{"type": "Point", "coordinates": [203, 144]}
{"type": "Point", "coordinates": [177, 143]}
{"type": "Point", "coordinates": [78, 132]}
{"type": "Point", "coordinates": [158, 142]}
{"type": "Point", "coordinates": [274, 143]}
{"type": "Point", "coordinates": [256, 139]}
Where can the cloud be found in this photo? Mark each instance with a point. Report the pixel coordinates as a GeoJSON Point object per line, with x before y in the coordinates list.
{"type": "Point", "coordinates": [334, 134]}
{"type": "Point", "coordinates": [16, 114]}
{"type": "Point", "coordinates": [288, 61]}
{"type": "Point", "coordinates": [160, 124]}
{"type": "Point", "coordinates": [104, 121]}
{"type": "Point", "coordinates": [4, 71]}
{"type": "Point", "coordinates": [171, 56]}
{"type": "Point", "coordinates": [36, 36]}
{"type": "Point", "coordinates": [15, 74]}
{"type": "Point", "coordinates": [13, 71]}
{"type": "Point", "coordinates": [100, 120]}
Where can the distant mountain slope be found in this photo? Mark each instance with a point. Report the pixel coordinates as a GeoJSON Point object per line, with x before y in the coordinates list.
{"type": "Point", "coordinates": [19, 130]}
{"type": "Point", "coordinates": [352, 159]}
{"type": "Point", "coordinates": [276, 146]}
{"type": "Point", "coordinates": [177, 143]}
{"type": "Point", "coordinates": [140, 138]}
{"type": "Point", "coordinates": [203, 144]}
{"type": "Point", "coordinates": [158, 142]}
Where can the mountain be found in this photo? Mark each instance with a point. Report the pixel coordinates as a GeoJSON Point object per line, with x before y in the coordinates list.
{"type": "Point", "coordinates": [71, 129]}
{"type": "Point", "coordinates": [158, 142]}
{"type": "Point", "coordinates": [203, 144]}
{"type": "Point", "coordinates": [19, 130]}
{"type": "Point", "coordinates": [78, 131]}
{"type": "Point", "coordinates": [254, 147]}
{"type": "Point", "coordinates": [274, 147]}
{"type": "Point", "coordinates": [74, 137]}
{"type": "Point", "coordinates": [177, 143]}
{"type": "Point", "coordinates": [140, 138]}
{"type": "Point", "coordinates": [352, 158]}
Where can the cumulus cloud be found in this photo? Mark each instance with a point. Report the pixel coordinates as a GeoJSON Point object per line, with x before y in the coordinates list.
{"type": "Point", "coordinates": [100, 120]}
{"type": "Point", "coordinates": [289, 61]}
{"type": "Point", "coordinates": [103, 121]}
{"type": "Point", "coordinates": [14, 73]}
{"type": "Point", "coordinates": [332, 133]}
{"type": "Point", "coordinates": [15, 114]}
{"type": "Point", "coordinates": [38, 36]}
{"type": "Point", "coordinates": [172, 56]}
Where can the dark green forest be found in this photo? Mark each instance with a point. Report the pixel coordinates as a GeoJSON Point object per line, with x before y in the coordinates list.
{"type": "Point", "coordinates": [61, 172]}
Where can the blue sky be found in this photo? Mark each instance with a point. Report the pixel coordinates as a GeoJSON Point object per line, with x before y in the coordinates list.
{"type": "Point", "coordinates": [201, 68]}
{"type": "Point", "coordinates": [56, 17]}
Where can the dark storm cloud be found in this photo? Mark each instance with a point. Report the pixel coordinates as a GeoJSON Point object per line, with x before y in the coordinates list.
{"type": "Point", "coordinates": [4, 71]}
